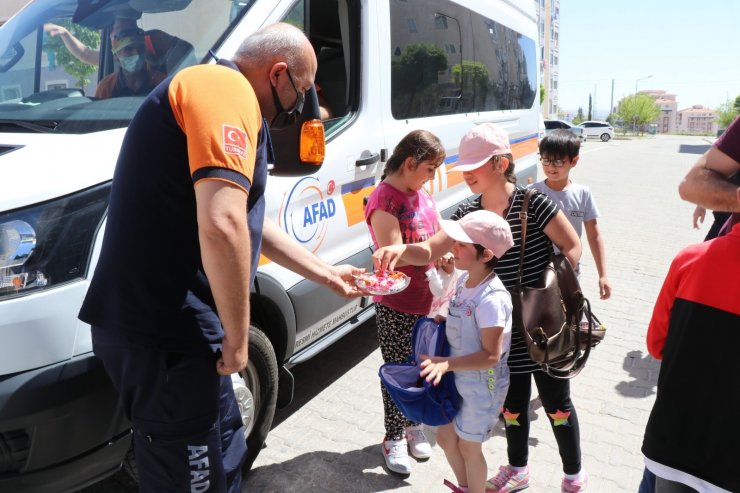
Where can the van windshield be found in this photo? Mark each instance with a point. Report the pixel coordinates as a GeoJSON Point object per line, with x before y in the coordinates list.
{"type": "Point", "coordinates": [79, 66]}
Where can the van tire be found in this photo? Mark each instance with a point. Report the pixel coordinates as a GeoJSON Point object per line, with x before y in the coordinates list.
{"type": "Point", "coordinates": [261, 377]}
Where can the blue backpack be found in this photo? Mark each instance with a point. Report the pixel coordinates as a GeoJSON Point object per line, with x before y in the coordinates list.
{"type": "Point", "coordinates": [418, 399]}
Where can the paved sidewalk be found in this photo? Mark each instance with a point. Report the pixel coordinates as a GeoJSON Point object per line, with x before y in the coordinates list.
{"type": "Point", "coordinates": [331, 443]}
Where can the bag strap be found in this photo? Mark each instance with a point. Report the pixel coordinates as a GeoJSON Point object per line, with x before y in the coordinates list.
{"type": "Point", "coordinates": [523, 218]}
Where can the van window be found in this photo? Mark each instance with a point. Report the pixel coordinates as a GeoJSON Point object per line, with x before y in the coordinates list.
{"type": "Point", "coordinates": [456, 61]}
{"type": "Point", "coordinates": [45, 87]}
{"type": "Point", "coordinates": [425, 61]}
{"type": "Point", "coordinates": [333, 27]}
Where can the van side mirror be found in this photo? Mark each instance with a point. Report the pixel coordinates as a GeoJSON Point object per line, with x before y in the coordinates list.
{"type": "Point", "coordinates": [299, 148]}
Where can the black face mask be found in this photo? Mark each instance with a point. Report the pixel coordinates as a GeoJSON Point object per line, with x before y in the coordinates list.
{"type": "Point", "coordinates": [284, 117]}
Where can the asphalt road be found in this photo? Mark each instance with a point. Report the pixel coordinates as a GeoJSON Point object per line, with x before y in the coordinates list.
{"type": "Point", "coordinates": [328, 439]}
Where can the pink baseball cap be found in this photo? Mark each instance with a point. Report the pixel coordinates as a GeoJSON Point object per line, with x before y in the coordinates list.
{"type": "Point", "coordinates": [483, 227]}
{"type": "Point", "coordinates": [480, 144]}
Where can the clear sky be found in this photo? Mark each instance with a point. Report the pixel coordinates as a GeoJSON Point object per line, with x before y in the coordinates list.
{"type": "Point", "coordinates": [689, 47]}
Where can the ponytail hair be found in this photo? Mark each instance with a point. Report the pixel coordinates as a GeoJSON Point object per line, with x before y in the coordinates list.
{"type": "Point", "coordinates": [421, 145]}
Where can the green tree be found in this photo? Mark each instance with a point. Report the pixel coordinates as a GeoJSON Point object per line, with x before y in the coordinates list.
{"type": "Point", "coordinates": [74, 67]}
{"type": "Point", "coordinates": [542, 94]}
{"type": "Point", "coordinates": [579, 117]}
{"type": "Point", "coordinates": [737, 105]}
{"type": "Point", "coordinates": [638, 110]}
{"type": "Point", "coordinates": [726, 113]}
{"type": "Point", "coordinates": [472, 78]}
{"type": "Point", "coordinates": [470, 74]}
{"type": "Point", "coordinates": [416, 69]}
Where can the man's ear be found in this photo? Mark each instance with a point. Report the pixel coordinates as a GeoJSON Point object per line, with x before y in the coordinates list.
{"type": "Point", "coordinates": [574, 161]}
{"type": "Point", "coordinates": [275, 71]}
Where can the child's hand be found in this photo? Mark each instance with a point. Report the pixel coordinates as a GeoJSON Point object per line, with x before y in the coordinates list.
{"type": "Point", "coordinates": [605, 288]}
{"type": "Point", "coordinates": [446, 263]}
{"type": "Point", "coordinates": [385, 258]}
{"type": "Point", "coordinates": [433, 368]}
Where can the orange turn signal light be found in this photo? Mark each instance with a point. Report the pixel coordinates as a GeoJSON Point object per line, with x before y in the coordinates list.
{"type": "Point", "coordinates": [313, 144]}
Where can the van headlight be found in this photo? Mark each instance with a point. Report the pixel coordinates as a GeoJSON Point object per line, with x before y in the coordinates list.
{"type": "Point", "coordinates": [49, 244]}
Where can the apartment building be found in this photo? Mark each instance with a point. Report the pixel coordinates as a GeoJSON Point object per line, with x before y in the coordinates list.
{"type": "Point", "coordinates": [666, 122]}
{"type": "Point", "coordinates": [548, 20]}
{"type": "Point", "coordinates": [697, 119]}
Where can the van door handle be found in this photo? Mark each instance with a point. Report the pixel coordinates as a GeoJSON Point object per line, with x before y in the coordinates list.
{"type": "Point", "coordinates": [373, 158]}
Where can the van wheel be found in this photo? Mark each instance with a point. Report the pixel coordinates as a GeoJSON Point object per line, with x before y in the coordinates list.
{"type": "Point", "coordinates": [258, 405]}
{"type": "Point", "coordinates": [605, 137]}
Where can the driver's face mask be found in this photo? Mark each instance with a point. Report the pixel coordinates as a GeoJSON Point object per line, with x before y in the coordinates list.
{"type": "Point", "coordinates": [284, 117]}
{"type": "Point", "coordinates": [133, 63]}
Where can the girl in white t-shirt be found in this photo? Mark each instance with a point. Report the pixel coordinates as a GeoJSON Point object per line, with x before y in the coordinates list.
{"type": "Point", "coordinates": [479, 333]}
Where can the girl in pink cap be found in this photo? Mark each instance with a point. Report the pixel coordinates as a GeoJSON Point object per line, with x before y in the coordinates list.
{"type": "Point", "coordinates": [487, 164]}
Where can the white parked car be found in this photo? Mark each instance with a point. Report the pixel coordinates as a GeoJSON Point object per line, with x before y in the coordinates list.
{"type": "Point", "coordinates": [600, 130]}
{"type": "Point", "coordinates": [551, 125]}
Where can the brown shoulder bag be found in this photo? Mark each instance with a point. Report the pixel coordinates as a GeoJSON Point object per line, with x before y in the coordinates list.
{"type": "Point", "coordinates": [549, 314]}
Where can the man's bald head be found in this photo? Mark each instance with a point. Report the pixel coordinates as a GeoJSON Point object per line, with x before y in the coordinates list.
{"type": "Point", "coordinates": [278, 43]}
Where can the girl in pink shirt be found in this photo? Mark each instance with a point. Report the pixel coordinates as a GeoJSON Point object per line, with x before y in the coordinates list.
{"type": "Point", "coordinates": [400, 211]}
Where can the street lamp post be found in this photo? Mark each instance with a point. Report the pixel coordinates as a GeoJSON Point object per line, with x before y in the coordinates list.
{"type": "Point", "coordinates": [638, 80]}
{"type": "Point", "coordinates": [634, 121]}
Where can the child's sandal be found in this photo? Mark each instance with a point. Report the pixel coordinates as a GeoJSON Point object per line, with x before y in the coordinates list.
{"type": "Point", "coordinates": [455, 489]}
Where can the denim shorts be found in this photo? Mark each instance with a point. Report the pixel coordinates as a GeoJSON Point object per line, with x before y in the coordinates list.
{"type": "Point", "coordinates": [482, 399]}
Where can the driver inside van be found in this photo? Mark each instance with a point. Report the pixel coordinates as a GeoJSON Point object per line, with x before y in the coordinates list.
{"type": "Point", "coordinates": [134, 76]}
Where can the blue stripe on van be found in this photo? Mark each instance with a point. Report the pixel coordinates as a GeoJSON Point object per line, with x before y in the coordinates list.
{"type": "Point", "coordinates": [358, 185]}
{"type": "Point", "coordinates": [521, 139]}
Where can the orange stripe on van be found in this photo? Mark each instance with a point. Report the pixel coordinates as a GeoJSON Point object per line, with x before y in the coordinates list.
{"type": "Point", "coordinates": [354, 205]}
{"type": "Point", "coordinates": [523, 148]}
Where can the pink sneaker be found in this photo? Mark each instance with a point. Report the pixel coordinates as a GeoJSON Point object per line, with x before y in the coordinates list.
{"type": "Point", "coordinates": [508, 480]}
{"type": "Point", "coordinates": [573, 486]}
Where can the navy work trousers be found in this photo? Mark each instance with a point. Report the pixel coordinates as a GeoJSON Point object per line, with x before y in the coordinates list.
{"type": "Point", "coordinates": [188, 433]}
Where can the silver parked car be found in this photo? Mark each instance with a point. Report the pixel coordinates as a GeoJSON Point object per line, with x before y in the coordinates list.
{"type": "Point", "coordinates": [551, 125]}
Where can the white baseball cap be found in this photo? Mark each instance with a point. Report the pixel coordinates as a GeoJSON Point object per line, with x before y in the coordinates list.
{"type": "Point", "coordinates": [483, 227]}
{"type": "Point", "coordinates": [480, 144]}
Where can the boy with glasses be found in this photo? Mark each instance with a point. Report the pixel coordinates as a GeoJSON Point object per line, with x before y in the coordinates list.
{"type": "Point", "coordinates": [558, 155]}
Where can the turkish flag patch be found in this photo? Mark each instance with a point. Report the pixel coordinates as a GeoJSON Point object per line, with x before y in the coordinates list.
{"type": "Point", "coordinates": [235, 141]}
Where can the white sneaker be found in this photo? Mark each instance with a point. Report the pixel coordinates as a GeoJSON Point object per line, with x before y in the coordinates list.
{"type": "Point", "coordinates": [396, 456]}
{"type": "Point", "coordinates": [418, 443]}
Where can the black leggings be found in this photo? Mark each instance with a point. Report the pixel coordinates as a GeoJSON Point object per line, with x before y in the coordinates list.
{"type": "Point", "coordinates": [394, 335]}
{"type": "Point", "coordinates": [555, 396]}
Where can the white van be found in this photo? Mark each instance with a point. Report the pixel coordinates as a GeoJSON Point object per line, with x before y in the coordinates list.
{"type": "Point", "coordinates": [386, 67]}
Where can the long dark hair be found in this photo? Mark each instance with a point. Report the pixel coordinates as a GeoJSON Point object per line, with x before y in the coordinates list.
{"type": "Point", "coordinates": [421, 145]}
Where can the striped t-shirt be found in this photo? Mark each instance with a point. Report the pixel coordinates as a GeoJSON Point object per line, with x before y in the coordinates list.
{"type": "Point", "coordinates": [536, 256]}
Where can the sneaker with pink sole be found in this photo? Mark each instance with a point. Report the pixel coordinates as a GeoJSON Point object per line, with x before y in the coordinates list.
{"type": "Point", "coordinates": [574, 486]}
{"type": "Point", "coordinates": [508, 480]}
